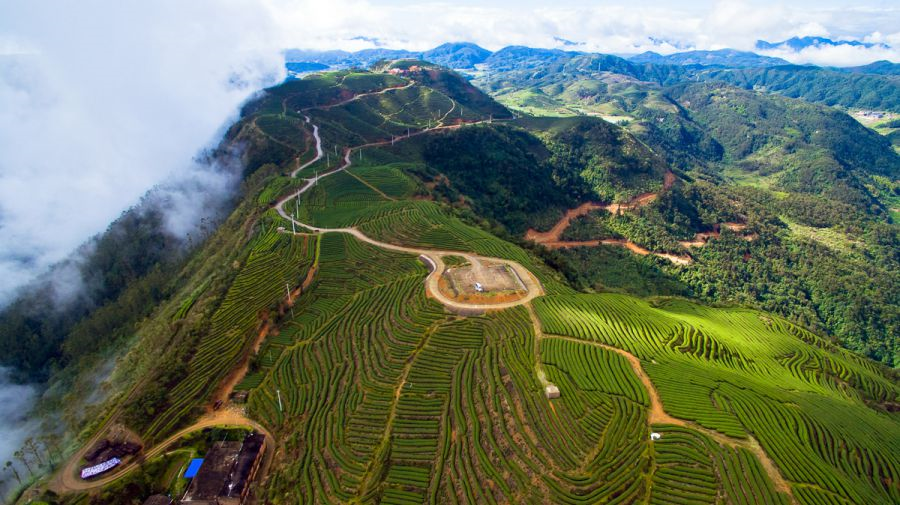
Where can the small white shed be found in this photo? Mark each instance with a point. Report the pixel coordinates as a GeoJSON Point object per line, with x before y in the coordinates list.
{"type": "Point", "coordinates": [551, 391]}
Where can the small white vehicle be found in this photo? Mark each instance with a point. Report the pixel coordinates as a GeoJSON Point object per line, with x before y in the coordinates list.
{"type": "Point", "coordinates": [479, 287]}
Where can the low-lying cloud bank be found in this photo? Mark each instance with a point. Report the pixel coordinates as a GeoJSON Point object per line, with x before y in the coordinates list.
{"type": "Point", "coordinates": [615, 27]}
{"type": "Point", "coordinates": [15, 403]}
{"type": "Point", "coordinates": [100, 101]}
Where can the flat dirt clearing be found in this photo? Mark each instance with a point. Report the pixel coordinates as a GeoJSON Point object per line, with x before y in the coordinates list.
{"type": "Point", "coordinates": [493, 278]}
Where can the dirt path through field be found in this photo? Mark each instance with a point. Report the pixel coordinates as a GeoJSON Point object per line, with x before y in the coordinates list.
{"type": "Point", "coordinates": [435, 256]}
{"type": "Point", "coordinates": [658, 415]}
{"type": "Point", "coordinates": [67, 479]}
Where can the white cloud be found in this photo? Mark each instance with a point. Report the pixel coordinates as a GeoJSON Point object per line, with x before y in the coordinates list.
{"type": "Point", "coordinates": [110, 99]}
{"type": "Point", "coordinates": [15, 405]}
{"type": "Point", "coordinates": [618, 27]}
{"type": "Point", "coordinates": [839, 56]}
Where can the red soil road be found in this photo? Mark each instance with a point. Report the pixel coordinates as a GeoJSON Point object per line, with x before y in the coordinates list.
{"type": "Point", "coordinates": [556, 232]}
{"type": "Point", "coordinates": [551, 238]}
{"type": "Point", "coordinates": [631, 246]}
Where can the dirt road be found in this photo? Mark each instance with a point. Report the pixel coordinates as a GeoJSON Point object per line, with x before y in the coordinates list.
{"type": "Point", "coordinates": [67, 480]}
{"type": "Point", "coordinates": [435, 256]}
{"type": "Point", "coordinates": [552, 238]}
{"type": "Point", "coordinates": [658, 415]}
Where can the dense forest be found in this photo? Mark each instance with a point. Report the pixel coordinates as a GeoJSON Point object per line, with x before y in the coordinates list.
{"type": "Point", "coordinates": [92, 300]}
{"type": "Point", "coordinates": [814, 84]}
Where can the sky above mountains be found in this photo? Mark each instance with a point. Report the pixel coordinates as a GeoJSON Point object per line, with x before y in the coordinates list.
{"type": "Point", "coordinates": [102, 100]}
{"type": "Point", "coordinates": [617, 27]}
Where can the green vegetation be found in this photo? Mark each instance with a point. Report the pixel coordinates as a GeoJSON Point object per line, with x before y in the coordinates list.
{"type": "Point", "coordinates": [273, 261]}
{"type": "Point", "coordinates": [375, 393]}
{"type": "Point", "coordinates": [818, 85]}
{"type": "Point", "coordinates": [819, 412]}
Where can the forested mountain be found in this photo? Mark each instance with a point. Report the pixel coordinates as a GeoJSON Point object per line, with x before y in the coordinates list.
{"type": "Point", "coordinates": [882, 67]}
{"type": "Point", "coordinates": [817, 85]}
{"type": "Point", "coordinates": [721, 57]}
{"type": "Point", "coordinates": [574, 279]}
{"type": "Point", "coordinates": [806, 148]}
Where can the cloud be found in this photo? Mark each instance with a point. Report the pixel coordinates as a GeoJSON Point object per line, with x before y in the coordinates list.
{"type": "Point", "coordinates": [613, 27]}
{"type": "Point", "coordinates": [100, 101]}
{"type": "Point", "coordinates": [835, 55]}
{"type": "Point", "coordinates": [15, 404]}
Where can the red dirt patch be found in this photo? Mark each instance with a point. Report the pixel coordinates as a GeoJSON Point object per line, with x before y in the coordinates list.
{"type": "Point", "coordinates": [554, 233]}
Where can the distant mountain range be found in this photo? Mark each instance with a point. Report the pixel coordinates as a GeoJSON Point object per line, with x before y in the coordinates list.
{"type": "Point", "coordinates": [452, 55]}
{"type": "Point", "coordinates": [800, 43]}
{"type": "Point", "coordinates": [721, 57]}
{"type": "Point", "coordinates": [466, 55]}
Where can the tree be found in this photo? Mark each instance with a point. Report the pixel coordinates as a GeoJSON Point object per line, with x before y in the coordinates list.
{"type": "Point", "coordinates": [51, 443]}
{"type": "Point", "coordinates": [11, 467]}
{"type": "Point", "coordinates": [20, 455]}
{"type": "Point", "coordinates": [31, 446]}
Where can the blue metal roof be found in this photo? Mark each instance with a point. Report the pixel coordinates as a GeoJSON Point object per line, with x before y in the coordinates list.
{"type": "Point", "coordinates": [193, 468]}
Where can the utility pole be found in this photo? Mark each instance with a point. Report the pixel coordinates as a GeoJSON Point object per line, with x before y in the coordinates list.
{"type": "Point", "coordinates": [294, 230]}
{"type": "Point", "coordinates": [287, 287]}
{"type": "Point", "coordinates": [280, 406]}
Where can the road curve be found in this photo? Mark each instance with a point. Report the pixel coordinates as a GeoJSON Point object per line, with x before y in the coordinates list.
{"type": "Point", "coordinates": [435, 256]}
{"type": "Point", "coordinates": [67, 479]}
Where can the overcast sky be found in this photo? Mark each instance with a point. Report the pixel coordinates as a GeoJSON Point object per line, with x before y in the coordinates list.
{"type": "Point", "coordinates": [100, 101]}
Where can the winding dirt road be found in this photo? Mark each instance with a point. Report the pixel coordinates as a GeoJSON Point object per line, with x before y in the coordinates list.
{"type": "Point", "coordinates": [434, 256]}
{"type": "Point", "coordinates": [552, 238]}
{"type": "Point", "coordinates": [67, 480]}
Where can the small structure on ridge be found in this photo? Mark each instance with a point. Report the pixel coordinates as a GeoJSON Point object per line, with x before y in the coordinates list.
{"type": "Point", "coordinates": [551, 391]}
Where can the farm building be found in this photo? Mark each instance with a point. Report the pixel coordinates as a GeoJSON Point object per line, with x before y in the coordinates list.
{"type": "Point", "coordinates": [551, 391]}
{"type": "Point", "coordinates": [227, 470]}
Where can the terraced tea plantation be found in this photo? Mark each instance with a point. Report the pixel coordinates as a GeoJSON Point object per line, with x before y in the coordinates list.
{"type": "Point", "coordinates": [376, 393]}
{"type": "Point", "coordinates": [273, 261]}
{"type": "Point", "coordinates": [820, 413]}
